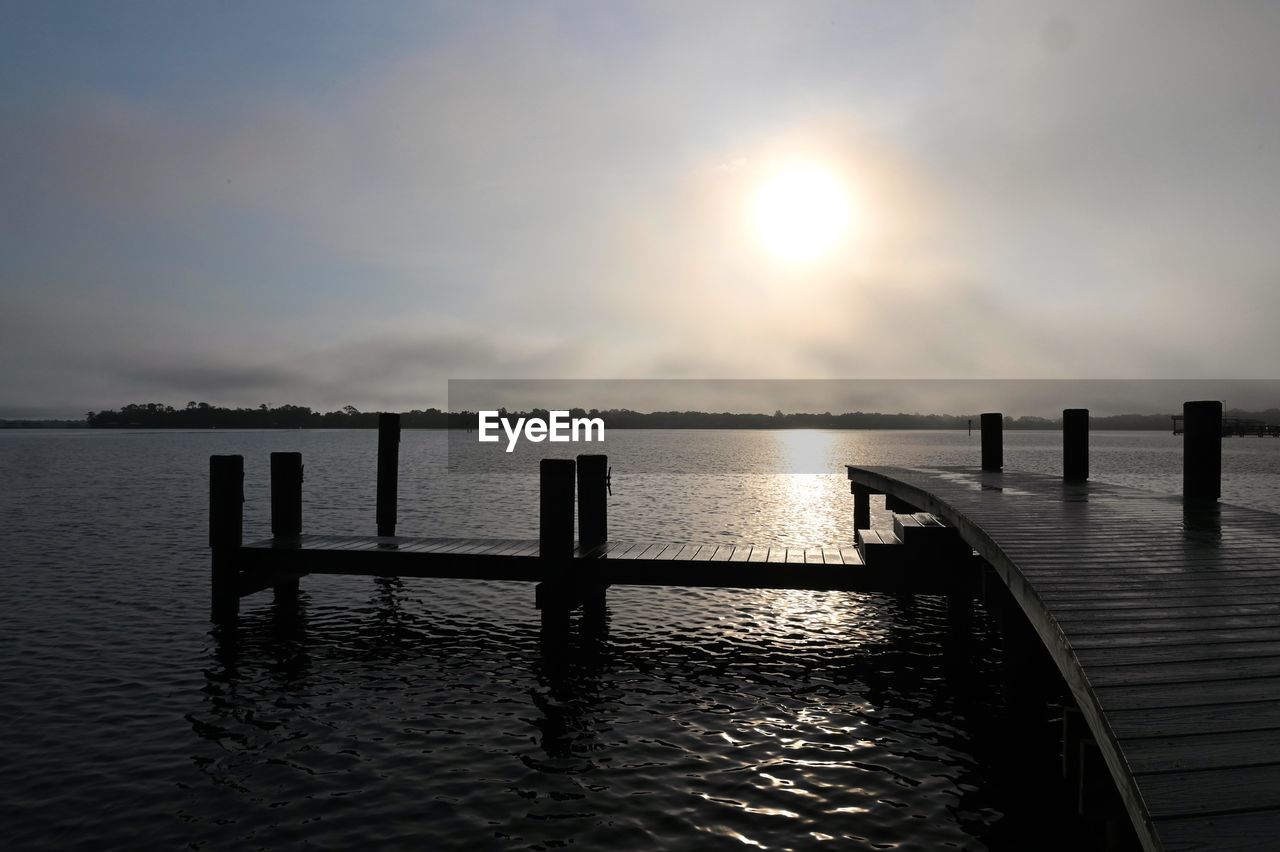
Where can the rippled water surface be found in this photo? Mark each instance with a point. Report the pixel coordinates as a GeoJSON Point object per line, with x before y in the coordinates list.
{"type": "Point", "coordinates": [431, 714]}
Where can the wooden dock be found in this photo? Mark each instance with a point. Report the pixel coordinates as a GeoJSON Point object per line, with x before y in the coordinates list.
{"type": "Point", "coordinates": [1163, 617]}
{"type": "Point", "coordinates": [832, 567]}
{"type": "Point", "coordinates": [1161, 613]}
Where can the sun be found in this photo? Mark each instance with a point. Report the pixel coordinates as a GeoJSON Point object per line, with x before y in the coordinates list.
{"type": "Point", "coordinates": [801, 213]}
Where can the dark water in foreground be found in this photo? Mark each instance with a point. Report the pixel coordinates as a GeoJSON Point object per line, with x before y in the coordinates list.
{"type": "Point", "coordinates": [428, 714]}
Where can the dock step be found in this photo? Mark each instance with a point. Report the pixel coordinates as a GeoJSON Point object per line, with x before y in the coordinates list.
{"type": "Point", "coordinates": [880, 549]}
{"type": "Point", "coordinates": [925, 534]}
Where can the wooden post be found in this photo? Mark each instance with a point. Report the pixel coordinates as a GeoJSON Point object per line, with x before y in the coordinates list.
{"type": "Point", "coordinates": [555, 508]}
{"type": "Point", "coordinates": [286, 494]}
{"type": "Point", "coordinates": [555, 533]}
{"type": "Point", "coordinates": [388, 471]}
{"type": "Point", "coordinates": [861, 508]}
{"type": "Point", "coordinates": [1202, 450]}
{"type": "Point", "coordinates": [593, 505]}
{"type": "Point", "coordinates": [1075, 444]}
{"type": "Point", "coordinates": [286, 506]}
{"type": "Point", "coordinates": [992, 441]}
{"type": "Point", "coordinates": [226, 530]}
{"type": "Point", "coordinates": [593, 523]}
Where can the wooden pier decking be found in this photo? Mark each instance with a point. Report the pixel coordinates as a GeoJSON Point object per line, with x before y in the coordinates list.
{"type": "Point", "coordinates": [1162, 615]}
{"type": "Point", "coordinates": [726, 565]}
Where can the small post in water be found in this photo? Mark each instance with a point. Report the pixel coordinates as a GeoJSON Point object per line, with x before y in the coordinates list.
{"type": "Point", "coordinates": [388, 471]}
{"type": "Point", "coordinates": [1075, 444]}
{"type": "Point", "coordinates": [286, 506]}
{"type": "Point", "coordinates": [226, 530]}
{"type": "Point", "coordinates": [1202, 450]}
{"type": "Point", "coordinates": [992, 441]}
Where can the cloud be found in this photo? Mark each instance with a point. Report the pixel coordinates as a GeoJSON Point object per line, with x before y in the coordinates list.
{"type": "Point", "coordinates": [551, 192]}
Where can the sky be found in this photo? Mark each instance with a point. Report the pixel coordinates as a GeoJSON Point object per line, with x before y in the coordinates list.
{"type": "Point", "coordinates": [340, 203]}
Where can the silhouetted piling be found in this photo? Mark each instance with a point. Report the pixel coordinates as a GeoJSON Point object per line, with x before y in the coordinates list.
{"type": "Point", "coordinates": [388, 472]}
{"type": "Point", "coordinates": [555, 508]}
{"type": "Point", "coordinates": [992, 441]}
{"type": "Point", "coordinates": [1202, 450]}
{"type": "Point", "coordinates": [555, 533]}
{"type": "Point", "coordinates": [286, 505]}
{"type": "Point", "coordinates": [1075, 444]}
{"type": "Point", "coordinates": [226, 530]}
{"type": "Point", "coordinates": [593, 522]}
{"type": "Point", "coordinates": [593, 504]}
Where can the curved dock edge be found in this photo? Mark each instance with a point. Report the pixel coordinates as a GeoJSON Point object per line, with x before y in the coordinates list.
{"type": "Point", "coordinates": [1042, 621]}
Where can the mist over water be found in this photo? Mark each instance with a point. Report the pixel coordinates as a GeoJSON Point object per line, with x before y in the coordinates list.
{"type": "Point", "coordinates": [429, 714]}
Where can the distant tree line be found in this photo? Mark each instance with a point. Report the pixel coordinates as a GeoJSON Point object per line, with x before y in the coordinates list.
{"type": "Point", "coordinates": [202, 415]}
{"type": "Point", "coordinates": [42, 424]}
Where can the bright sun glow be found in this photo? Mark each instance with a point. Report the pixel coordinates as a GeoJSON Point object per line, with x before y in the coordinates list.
{"type": "Point", "coordinates": [801, 213]}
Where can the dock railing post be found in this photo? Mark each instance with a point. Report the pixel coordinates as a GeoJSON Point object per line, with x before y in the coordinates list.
{"type": "Point", "coordinates": [1202, 450]}
{"type": "Point", "coordinates": [226, 531]}
{"type": "Point", "coordinates": [992, 441]}
{"type": "Point", "coordinates": [388, 471]}
{"type": "Point", "coordinates": [286, 506]}
{"type": "Point", "coordinates": [593, 519]}
{"type": "Point", "coordinates": [1075, 444]}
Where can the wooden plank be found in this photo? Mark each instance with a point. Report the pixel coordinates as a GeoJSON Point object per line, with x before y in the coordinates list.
{"type": "Point", "coordinates": [1203, 750]}
{"type": "Point", "coordinates": [1138, 722]}
{"type": "Point", "coordinates": [1264, 630]}
{"type": "Point", "coordinates": [1254, 831]}
{"type": "Point", "coordinates": [646, 551]}
{"type": "Point", "coordinates": [1214, 791]}
{"type": "Point", "coordinates": [1181, 694]}
{"type": "Point", "coordinates": [1199, 672]}
{"type": "Point", "coordinates": [849, 553]}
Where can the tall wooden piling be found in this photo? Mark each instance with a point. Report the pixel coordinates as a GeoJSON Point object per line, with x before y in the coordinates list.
{"type": "Point", "coordinates": [593, 523]}
{"type": "Point", "coordinates": [555, 534]}
{"type": "Point", "coordinates": [593, 500]}
{"type": "Point", "coordinates": [992, 441]}
{"type": "Point", "coordinates": [555, 508]}
{"type": "Point", "coordinates": [1202, 450]}
{"type": "Point", "coordinates": [226, 530]}
{"type": "Point", "coordinates": [286, 505]}
{"type": "Point", "coordinates": [388, 472]}
{"type": "Point", "coordinates": [1075, 444]}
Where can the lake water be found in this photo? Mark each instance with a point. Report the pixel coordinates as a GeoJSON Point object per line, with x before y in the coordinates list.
{"type": "Point", "coordinates": [428, 714]}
